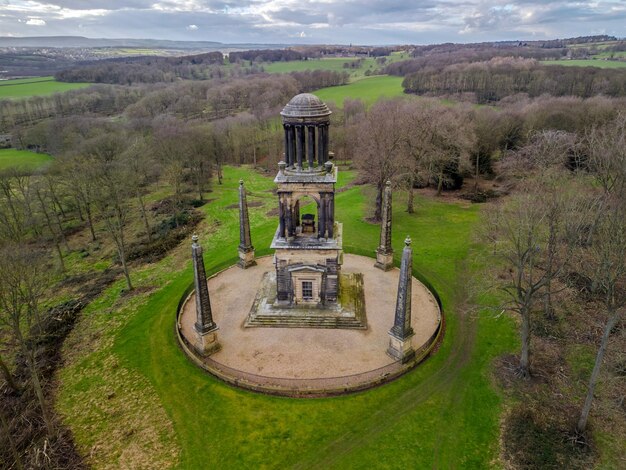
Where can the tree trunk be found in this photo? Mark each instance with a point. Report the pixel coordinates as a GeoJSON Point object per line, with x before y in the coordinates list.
{"type": "Point", "coordinates": [378, 210]}
{"type": "Point", "coordinates": [144, 216]}
{"type": "Point", "coordinates": [525, 334]}
{"type": "Point", "coordinates": [8, 376]}
{"type": "Point", "coordinates": [584, 415]}
{"type": "Point", "coordinates": [90, 222]}
{"type": "Point", "coordinates": [32, 366]}
{"type": "Point", "coordinates": [440, 184]}
{"type": "Point", "coordinates": [410, 197]}
{"type": "Point", "coordinates": [16, 456]}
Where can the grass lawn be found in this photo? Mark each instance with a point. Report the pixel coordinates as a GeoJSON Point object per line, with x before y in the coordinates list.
{"type": "Point", "coordinates": [130, 395]}
{"type": "Point", "coordinates": [369, 89]}
{"type": "Point", "coordinates": [11, 158]}
{"type": "Point", "coordinates": [603, 64]}
{"type": "Point", "coordinates": [38, 86]}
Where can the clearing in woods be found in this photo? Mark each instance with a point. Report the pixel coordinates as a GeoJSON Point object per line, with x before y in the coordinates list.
{"type": "Point", "coordinates": [22, 159]}
{"type": "Point", "coordinates": [36, 86]}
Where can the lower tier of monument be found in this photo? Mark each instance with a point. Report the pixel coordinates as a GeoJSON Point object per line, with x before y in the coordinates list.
{"type": "Point", "coordinates": [347, 312]}
{"type": "Point", "coordinates": [308, 361]}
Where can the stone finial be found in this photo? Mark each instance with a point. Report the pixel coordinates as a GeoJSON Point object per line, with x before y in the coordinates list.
{"type": "Point", "coordinates": [245, 250]}
{"type": "Point", "coordinates": [328, 166]}
{"type": "Point", "coordinates": [205, 327]}
{"type": "Point", "coordinates": [401, 333]}
{"type": "Point", "coordinates": [384, 253]}
{"type": "Point", "coordinates": [281, 167]}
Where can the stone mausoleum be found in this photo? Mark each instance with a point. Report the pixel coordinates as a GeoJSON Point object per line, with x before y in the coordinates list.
{"type": "Point", "coordinates": [309, 320]}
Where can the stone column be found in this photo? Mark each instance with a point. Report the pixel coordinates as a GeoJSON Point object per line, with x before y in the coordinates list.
{"type": "Point", "coordinates": [330, 215]}
{"type": "Point", "coordinates": [326, 142]}
{"type": "Point", "coordinates": [246, 250]}
{"type": "Point", "coordinates": [292, 145]}
{"type": "Point", "coordinates": [401, 333]}
{"type": "Point", "coordinates": [321, 216]}
{"type": "Point", "coordinates": [287, 146]}
{"type": "Point", "coordinates": [287, 210]}
{"type": "Point", "coordinates": [281, 216]}
{"type": "Point", "coordinates": [311, 143]}
{"type": "Point", "coordinates": [206, 329]}
{"type": "Point", "coordinates": [320, 145]}
{"type": "Point", "coordinates": [384, 253]}
{"type": "Point", "coordinates": [300, 146]}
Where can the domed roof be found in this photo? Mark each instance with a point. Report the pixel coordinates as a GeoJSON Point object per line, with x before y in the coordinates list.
{"type": "Point", "coordinates": [305, 105]}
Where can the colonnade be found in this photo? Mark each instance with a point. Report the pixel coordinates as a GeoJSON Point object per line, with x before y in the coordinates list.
{"type": "Point", "coordinates": [289, 215]}
{"type": "Point", "coordinates": [306, 143]}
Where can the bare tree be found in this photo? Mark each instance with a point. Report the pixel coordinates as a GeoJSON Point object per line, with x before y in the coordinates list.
{"type": "Point", "coordinates": [380, 137]}
{"type": "Point", "coordinates": [23, 282]}
{"type": "Point", "coordinates": [112, 190]}
{"type": "Point", "coordinates": [606, 261]}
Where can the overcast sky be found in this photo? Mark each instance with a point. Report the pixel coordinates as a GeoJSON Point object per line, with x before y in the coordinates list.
{"type": "Point", "coordinates": [321, 21]}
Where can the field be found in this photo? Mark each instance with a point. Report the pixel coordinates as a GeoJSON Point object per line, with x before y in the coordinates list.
{"type": "Point", "coordinates": [368, 89]}
{"type": "Point", "coordinates": [11, 158]}
{"type": "Point", "coordinates": [131, 397]}
{"type": "Point", "coordinates": [38, 86]}
{"type": "Point", "coordinates": [331, 63]}
{"type": "Point", "coordinates": [604, 64]}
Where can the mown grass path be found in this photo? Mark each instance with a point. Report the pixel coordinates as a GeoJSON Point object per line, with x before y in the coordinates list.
{"type": "Point", "coordinates": [443, 414]}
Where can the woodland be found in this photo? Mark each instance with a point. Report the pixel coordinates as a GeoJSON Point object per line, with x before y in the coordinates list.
{"type": "Point", "coordinates": [538, 151]}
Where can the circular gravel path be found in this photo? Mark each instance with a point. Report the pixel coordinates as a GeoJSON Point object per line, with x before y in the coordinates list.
{"type": "Point", "coordinates": [305, 353]}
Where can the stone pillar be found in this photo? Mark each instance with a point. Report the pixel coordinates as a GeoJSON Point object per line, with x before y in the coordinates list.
{"type": "Point", "coordinates": [320, 145]}
{"type": "Point", "coordinates": [287, 210]}
{"type": "Point", "coordinates": [384, 253]}
{"type": "Point", "coordinates": [246, 250]}
{"type": "Point", "coordinates": [401, 333]}
{"type": "Point", "coordinates": [321, 216]}
{"type": "Point", "coordinates": [287, 145]}
{"type": "Point", "coordinates": [206, 329]}
{"type": "Point", "coordinates": [281, 216]}
{"type": "Point", "coordinates": [300, 146]}
{"type": "Point", "coordinates": [311, 143]}
{"type": "Point", "coordinates": [326, 142]}
{"type": "Point", "coordinates": [292, 146]}
{"type": "Point", "coordinates": [330, 215]}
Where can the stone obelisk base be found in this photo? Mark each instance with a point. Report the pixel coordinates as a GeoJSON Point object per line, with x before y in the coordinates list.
{"type": "Point", "coordinates": [384, 261]}
{"type": "Point", "coordinates": [400, 349]}
{"type": "Point", "coordinates": [206, 343]}
{"type": "Point", "coordinates": [246, 259]}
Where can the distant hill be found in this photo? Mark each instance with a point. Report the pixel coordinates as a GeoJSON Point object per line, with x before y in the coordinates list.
{"type": "Point", "coordinates": [83, 42]}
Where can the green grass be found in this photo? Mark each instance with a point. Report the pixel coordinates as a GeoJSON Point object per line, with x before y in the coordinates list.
{"type": "Point", "coordinates": [603, 64]}
{"type": "Point", "coordinates": [369, 89]}
{"type": "Point", "coordinates": [610, 55]}
{"type": "Point", "coordinates": [444, 414]}
{"type": "Point", "coordinates": [11, 158]}
{"type": "Point", "coordinates": [38, 86]}
{"type": "Point", "coordinates": [332, 63]}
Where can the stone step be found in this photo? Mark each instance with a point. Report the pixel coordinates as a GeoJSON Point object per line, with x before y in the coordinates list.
{"type": "Point", "coordinates": [278, 321]}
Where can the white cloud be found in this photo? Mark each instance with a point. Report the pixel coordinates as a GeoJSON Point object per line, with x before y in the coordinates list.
{"type": "Point", "coordinates": [35, 22]}
{"type": "Point", "coordinates": [192, 27]}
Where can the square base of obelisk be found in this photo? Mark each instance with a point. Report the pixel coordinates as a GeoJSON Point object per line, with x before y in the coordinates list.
{"type": "Point", "coordinates": [400, 349]}
{"type": "Point", "coordinates": [246, 259]}
{"type": "Point", "coordinates": [384, 261]}
{"type": "Point", "coordinates": [206, 343]}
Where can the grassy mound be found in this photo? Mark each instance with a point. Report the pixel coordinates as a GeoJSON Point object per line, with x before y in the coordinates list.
{"type": "Point", "coordinates": [130, 395]}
